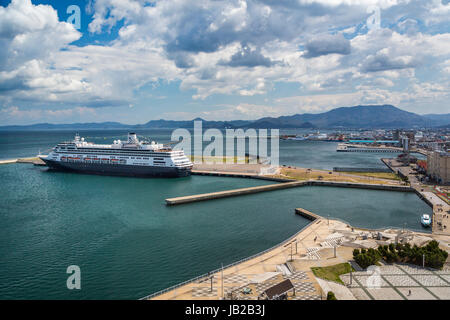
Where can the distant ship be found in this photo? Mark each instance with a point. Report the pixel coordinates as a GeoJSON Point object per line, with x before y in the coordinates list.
{"type": "Point", "coordinates": [130, 158]}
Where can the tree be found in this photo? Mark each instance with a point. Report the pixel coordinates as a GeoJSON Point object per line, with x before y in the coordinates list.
{"type": "Point", "coordinates": [331, 296]}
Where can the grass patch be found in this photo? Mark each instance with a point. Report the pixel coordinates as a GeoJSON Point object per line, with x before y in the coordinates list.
{"type": "Point", "coordinates": [303, 174]}
{"type": "Point", "coordinates": [332, 273]}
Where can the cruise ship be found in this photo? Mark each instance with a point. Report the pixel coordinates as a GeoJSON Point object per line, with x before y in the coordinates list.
{"type": "Point", "coordinates": [130, 158]}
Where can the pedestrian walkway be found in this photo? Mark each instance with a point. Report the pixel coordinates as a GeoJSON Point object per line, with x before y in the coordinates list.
{"type": "Point", "coordinates": [399, 282]}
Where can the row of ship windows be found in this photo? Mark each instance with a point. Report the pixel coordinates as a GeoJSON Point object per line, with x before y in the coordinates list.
{"type": "Point", "coordinates": [126, 152]}
{"type": "Point", "coordinates": [111, 161]}
{"type": "Point", "coordinates": [131, 157]}
{"type": "Point", "coordinates": [143, 158]}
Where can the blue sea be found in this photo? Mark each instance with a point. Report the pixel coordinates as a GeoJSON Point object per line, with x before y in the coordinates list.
{"type": "Point", "coordinates": [128, 244]}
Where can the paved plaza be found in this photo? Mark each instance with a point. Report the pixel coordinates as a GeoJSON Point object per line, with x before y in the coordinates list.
{"type": "Point", "coordinates": [399, 282]}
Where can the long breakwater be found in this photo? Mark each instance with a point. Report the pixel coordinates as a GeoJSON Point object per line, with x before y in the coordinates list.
{"type": "Point", "coordinates": [278, 186]}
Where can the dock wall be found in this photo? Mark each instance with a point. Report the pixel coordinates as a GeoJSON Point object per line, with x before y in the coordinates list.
{"type": "Point", "coordinates": [360, 185]}
{"type": "Point", "coordinates": [33, 160]}
{"type": "Point", "coordinates": [307, 214]}
{"type": "Point", "coordinates": [237, 175]}
{"type": "Point", "coordinates": [230, 193]}
{"type": "Point", "coordinates": [350, 169]}
{"type": "Point", "coordinates": [279, 186]}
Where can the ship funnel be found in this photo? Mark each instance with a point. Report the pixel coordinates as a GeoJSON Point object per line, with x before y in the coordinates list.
{"type": "Point", "coordinates": [132, 138]}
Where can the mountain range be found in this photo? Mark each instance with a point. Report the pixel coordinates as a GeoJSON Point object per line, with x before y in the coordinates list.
{"type": "Point", "coordinates": [363, 117]}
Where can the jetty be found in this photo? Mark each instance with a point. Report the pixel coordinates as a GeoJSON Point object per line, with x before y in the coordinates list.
{"type": "Point", "coordinates": [284, 185]}
{"type": "Point", "coordinates": [231, 193]}
{"type": "Point", "coordinates": [34, 160]}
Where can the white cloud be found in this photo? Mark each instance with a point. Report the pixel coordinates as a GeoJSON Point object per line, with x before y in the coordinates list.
{"type": "Point", "coordinates": [236, 47]}
{"type": "Point", "coordinates": [24, 116]}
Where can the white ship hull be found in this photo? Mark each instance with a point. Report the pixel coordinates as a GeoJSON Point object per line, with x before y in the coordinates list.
{"type": "Point", "coordinates": [119, 169]}
{"type": "Point", "coordinates": [131, 158]}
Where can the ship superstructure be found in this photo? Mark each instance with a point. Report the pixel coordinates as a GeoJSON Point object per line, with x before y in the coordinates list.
{"type": "Point", "coordinates": [131, 158]}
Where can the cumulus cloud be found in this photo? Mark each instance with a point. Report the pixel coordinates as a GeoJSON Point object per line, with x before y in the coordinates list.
{"type": "Point", "coordinates": [381, 61]}
{"type": "Point", "coordinates": [246, 57]}
{"type": "Point", "coordinates": [327, 44]}
{"type": "Point", "coordinates": [241, 48]}
{"type": "Point", "coordinates": [31, 32]}
{"type": "Point", "coordinates": [30, 36]}
{"type": "Point", "coordinates": [24, 116]}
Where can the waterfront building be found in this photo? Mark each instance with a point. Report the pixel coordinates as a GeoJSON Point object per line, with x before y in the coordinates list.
{"type": "Point", "coordinates": [438, 166]}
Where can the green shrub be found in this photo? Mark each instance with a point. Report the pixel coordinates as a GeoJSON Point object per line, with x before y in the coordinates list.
{"type": "Point", "coordinates": [391, 247]}
{"type": "Point", "coordinates": [365, 259]}
{"type": "Point", "coordinates": [331, 296]}
{"type": "Point", "coordinates": [434, 256]}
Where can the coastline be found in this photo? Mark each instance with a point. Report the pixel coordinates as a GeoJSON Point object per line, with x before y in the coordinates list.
{"type": "Point", "coordinates": [320, 243]}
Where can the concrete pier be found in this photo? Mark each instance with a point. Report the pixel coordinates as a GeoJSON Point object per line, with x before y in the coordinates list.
{"type": "Point", "coordinates": [307, 214]}
{"type": "Point", "coordinates": [231, 193]}
{"type": "Point", "coordinates": [34, 160]}
{"type": "Point", "coordinates": [8, 161]}
{"type": "Point", "coordinates": [278, 186]}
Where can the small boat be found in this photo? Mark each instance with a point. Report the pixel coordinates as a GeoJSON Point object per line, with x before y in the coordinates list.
{"type": "Point", "coordinates": [425, 220]}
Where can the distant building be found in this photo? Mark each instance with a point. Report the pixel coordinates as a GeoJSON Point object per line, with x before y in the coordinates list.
{"type": "Point", "coordinates": [438, 166]}
{"type": "Point", "coordinates": [418, 136]}
{"type": "Point", "coordinates": [396, 135]}
{"type": "Point", "coordinates": [405, 144]}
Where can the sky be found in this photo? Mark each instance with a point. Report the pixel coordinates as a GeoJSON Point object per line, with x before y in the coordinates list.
{"type": "Point", "coordinates": [132, 61]}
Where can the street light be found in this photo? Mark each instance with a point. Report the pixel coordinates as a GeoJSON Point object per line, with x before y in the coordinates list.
{"type": "Point", "coordinates": [291, 251]}
{"type": "Point", "coordinates": [222, 282]}
{"type": "Point", "coordinates": [351, 274]}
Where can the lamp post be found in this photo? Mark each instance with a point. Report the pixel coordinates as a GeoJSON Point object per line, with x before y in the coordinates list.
{"type": "Point", "coordinates": [222, 282]}
{"type": "Point", "coordinates": [351, 274]}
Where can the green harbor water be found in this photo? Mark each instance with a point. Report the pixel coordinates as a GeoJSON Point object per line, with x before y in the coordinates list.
{"type": "Point", "coordinates": [128, 244]}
